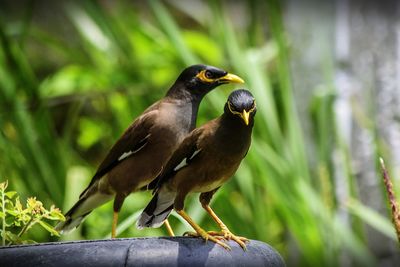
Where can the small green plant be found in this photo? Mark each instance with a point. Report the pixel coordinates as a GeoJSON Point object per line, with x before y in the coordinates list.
{"type": "Point", "coordinates": [15, 220]}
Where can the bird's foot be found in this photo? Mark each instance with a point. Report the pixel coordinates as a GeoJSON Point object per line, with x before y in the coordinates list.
{"type": "Point", "coordinates": [206, 236]}
{"type": "Point", "coordinates": [225, 234]}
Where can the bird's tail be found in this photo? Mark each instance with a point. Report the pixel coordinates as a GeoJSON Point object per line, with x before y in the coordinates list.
{"type": "Point", "coordinates": [157, 211]}
{"type": "Point", "coordinates": [81, 209]}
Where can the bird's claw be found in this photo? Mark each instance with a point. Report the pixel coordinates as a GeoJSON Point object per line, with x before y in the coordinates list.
{"type": "Point", "coordinates": [225, 234]}
{"type": "Point", "coordinates": [206, 236]}
{"type": "Point", "coordinates": [219, 237]}
{"type": "Point", "coordinates": [191, 234]}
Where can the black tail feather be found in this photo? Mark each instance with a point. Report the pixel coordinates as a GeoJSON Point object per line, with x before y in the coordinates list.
{"type": "Point", "coordinates": [157, 211]}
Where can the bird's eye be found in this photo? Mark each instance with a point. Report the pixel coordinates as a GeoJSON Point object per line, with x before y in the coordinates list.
{"type": "Point", "coordinates": [208, 74]}
{"type": "Point", "coordinates": [253, 107]}
{"type": "Point", "coordinates": [232, 108]}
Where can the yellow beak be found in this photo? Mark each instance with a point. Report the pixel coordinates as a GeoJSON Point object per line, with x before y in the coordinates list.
{"type": "Point", "coordinates": [245, 116]}
{"type": "Point", "coordinates": [231, 78]}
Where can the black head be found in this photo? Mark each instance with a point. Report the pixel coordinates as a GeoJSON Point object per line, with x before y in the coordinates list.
{"type": "Point", "coordinates": [200, 79]}
{"type": "Point", "coordinates": [241, 104]}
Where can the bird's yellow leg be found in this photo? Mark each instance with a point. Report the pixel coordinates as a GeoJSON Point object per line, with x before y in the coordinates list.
{"type": "Point", "coordinates": [203, 234]}
{"type": "Point", "coordinates": [114, 225]}
{"type": "Point", "coordinates": [169, 228]}
{"type": "Point", "coordinates": [225, 232]}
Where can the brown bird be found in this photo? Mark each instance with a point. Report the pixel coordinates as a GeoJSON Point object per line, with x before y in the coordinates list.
{"type": "Point", "coordinates": [202, 163]}
{"type": "Point", "coordinates": [143, 149]}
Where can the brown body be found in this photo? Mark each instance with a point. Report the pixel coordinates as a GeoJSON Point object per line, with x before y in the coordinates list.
{"type": "Point", "coordinates": [226, 149]}
{"type": "Point", "coordinates": [143, 149]}
{"type": "Point", "coordinates": [135, 172]}
{"type": "Point", "coordinates": [128, 176]}
{"type": "Point", "coordinates": [202, 163]}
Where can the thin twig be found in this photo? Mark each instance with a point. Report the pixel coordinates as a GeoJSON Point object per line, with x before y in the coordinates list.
{"type": "Point", "coordinates": [23, 230]}
{"type": "Point", "coordinates": [3, 209]}
{"type": "Point", "coordinates": [392, 199]}
{"type": "Point", "coordinates": [31, 223]}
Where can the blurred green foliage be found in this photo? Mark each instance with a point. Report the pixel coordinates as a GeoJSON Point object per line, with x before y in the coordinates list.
{"type": "Point", "coordinates": [65, 97]}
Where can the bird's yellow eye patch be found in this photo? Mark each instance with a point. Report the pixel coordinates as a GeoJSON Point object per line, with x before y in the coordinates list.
{"type": "Point", "coordinates": [253, 107]}
{"type": "Point", "coordinates": [237, 112]}
{"type": "Point", "coordinates": [206, 76]}
{"type": "Point", "coordinates": [202, 75]}
{"type": "Point", "coordinates": [244, 114]}
{"type": "Point", "coordinates": [231, 109]}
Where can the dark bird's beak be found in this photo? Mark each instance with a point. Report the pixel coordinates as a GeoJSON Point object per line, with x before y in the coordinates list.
{"type": "Point", "coordinates": [245, 116]}
{"type": "Point", "coordinates": [230, 78]}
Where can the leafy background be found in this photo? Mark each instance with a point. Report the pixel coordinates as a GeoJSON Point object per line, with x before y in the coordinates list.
{"type": "Point", "coordinates": [74, 74]}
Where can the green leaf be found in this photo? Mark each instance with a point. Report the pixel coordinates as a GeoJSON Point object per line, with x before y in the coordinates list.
{"type": "Point", "coordinates": [55, 215]}
{"type": "Point", "coordinates": [24, 218]}
{"type": "Point", "coordinates": [90, 132]}
{"type": "Point", "coordinates": [1, 214]}
{"type": "Point", "coordinates": [8, 202]}
{"type": "Point", "coordinates": [372, 217]}
{"type": "Point", "coordinates": [28, 242]}
{"type": "Point", "coordinates": [10, 194]}
{"type": "Point", "coordinates": [18, 205]}
{"type": "Point", "coordinates": [10, 221]}
{"type": "Point", "coordinates": [12, 212]}
{"type": "Point", "coordinates": [72, 79]}
{"type": "Point", "coordinates": [13, 238]}
{"type": "Point", "coordinates": [49, 228]}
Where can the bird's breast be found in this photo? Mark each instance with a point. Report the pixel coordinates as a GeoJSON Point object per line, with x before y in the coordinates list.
{"type": "Point", "coordinates": [208, 186]}
{"type": "Point", "coordinates": [204, 175]}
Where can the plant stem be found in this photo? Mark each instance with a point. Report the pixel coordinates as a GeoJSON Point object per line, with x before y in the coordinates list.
{"type": "Point", "coordinates": [3, 209]}
{"type": "Point", "coordinates": [392, 199]}
{"type": "Point", "coordinates": [23, 230]}
{"type": "Point", "coordinates": [26, 227]}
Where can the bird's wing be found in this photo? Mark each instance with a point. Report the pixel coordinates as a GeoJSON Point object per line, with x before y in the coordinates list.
{"type": "Point", "coordinates": [132, 141]}
{"type": "Point", "coordinates": [188, 150]}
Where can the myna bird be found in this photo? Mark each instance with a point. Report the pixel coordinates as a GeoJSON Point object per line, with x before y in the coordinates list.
{"type": "Point", "coordinates": [202, 163]}
{"type": "Point", "coordinates": [143, 149]}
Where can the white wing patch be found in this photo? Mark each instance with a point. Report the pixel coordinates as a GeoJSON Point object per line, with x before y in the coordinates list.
{"type": "Point", "coordinates": [125, 155]}
{"type": "Point", "coordinates": [181, 165]}
{"type": "Point", "coordinates": [195, 153]}
{"type": "Point", "coordinates": [184, 161]}
{"type": "Point", "coordinates": [130, 152]}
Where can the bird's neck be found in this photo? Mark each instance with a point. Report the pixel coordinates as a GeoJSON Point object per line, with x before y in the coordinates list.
{"type": "Point", "coordinates": [236, 122]}
{"type": "Point", "coordinates": [179, 91]}
{"type": "Point", "coordinates": [187, 102]}
{"type": "Point", "coordinates": [235, 127]}
{"type": "Point", "coordinates": [233, 137]}
{"type": "Point", "coordinates": [193, 110]}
